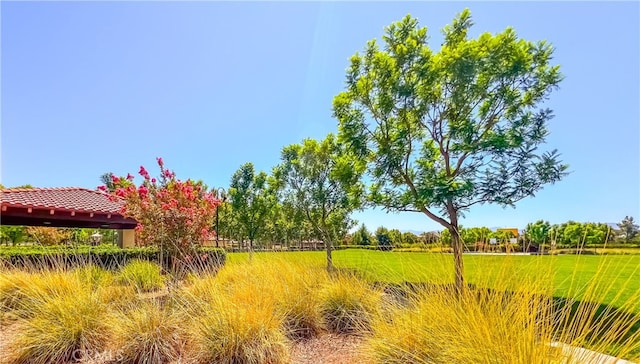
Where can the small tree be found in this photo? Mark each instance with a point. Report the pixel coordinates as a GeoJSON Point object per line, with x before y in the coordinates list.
{"type": "Point", "coordinates": [251, 200]}
{"type": "Point", "coordinates": [173, 214]}
{"type": "Point", "coordinates": [324, 184]}
{"type": "Point", "coordinates": [362, 236]}
{"type": "Point", "coordinates": [45, 235]}
{"type": "Point", "coordinates": [537, 232]}
{"type": "Point", "coordinates": [382, 236]}
{"type": "Point", "coordinates": [409, 238]}
{"type": "Point", "coordinates": [451, 129]}
{"type": "Point", "coordinates": [629, 228]}
{"type": "Point", "coordinates": [14, 234]}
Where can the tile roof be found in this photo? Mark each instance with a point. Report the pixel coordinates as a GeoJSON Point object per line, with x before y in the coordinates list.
{"type": "Point", "coordinates": [65, 198]}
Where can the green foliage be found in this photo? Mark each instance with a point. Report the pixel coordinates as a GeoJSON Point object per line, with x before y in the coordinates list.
{"type": "Point", "coordinates": [251, 200]}
{"type": "Point", "coordinates": [575, 234]}
{"type": "Point", "coordinates": [629, 228]}
{"type": "Point", "coordinates": [362, 236]}
{"type": "Point", "coordinates": [382, 237]}
{"type": "Point", "coordinates": [104, 256]}
{"type": "Point", "coordinates": [14, 234]}
{"type": "Point", "coordinates": [320, 179]}
{"type": "Point", "coordinates": [107, 180]}
{"type": "Point", "coordinates": [145, 276]}
{"type": "Point", "coordinates": [395, 236]}
{"type": "Point", "coordinates": [408, 238]}
{"type": "Point", "coordinates": [450, 129]}
{"type": "Point", "coordinates": [45, 235]}
{"type": "Point", "coordinates": [538, 232]}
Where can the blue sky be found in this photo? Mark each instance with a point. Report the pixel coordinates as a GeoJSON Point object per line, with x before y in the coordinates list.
{"type": "Point", "coordinates": [91, 87]}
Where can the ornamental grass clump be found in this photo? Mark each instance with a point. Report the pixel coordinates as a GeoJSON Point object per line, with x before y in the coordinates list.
{"type": "Point", "coordinates": [64, 327]}
{"type": "Point", "coordinates": [145, 276]}
{"type": "Point", "coordinates": [235, 327]}
{"type": "Point", "coordinates": [349, 304]}
{"type": "Point", "coordinates": [145, 333]}
{"type": "Point", "coordinates": [93, 276]}
{"type": "Point", "coordinates": [298, 300]}
{"type": "Point", "coordinates": [22, 292]}
{"type": "Point", "coordinates": [508, 317]}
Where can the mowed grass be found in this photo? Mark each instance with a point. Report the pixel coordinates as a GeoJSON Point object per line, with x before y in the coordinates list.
{"type": "Point", "coordinates": [608, 279]}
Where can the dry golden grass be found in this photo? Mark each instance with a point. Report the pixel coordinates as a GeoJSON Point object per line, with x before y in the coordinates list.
{"type": "Point", "coordinates": [348, 305]}
{"type": "Point", "coordinates": [145, 333]}
{"type": "Point", "coordinates": [252, 312]}
{"type": "Point", "coordinates": [62, 328]}
{"type": "Point", "coordinates": [516, 320]}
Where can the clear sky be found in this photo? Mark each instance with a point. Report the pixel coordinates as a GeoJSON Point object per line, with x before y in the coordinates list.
{"type": "Point", "coordinates": [92, 87]}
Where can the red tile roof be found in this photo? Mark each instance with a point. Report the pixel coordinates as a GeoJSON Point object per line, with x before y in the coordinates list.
{"type": "Point", "coordinates": [65, 198]}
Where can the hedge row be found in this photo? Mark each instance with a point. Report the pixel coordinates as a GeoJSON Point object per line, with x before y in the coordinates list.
{"type": "Point", "coordinates": [108, 257]}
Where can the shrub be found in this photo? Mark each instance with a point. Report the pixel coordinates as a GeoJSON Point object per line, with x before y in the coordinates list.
{"type": "Point", "coordinates": [48, 235]}
{"type": "Point", "coordinates": [518, 321]}
{"type": "Point", "coordinates": [144, 276]}
{"type": "Point", "coordinates": [104, 256]}
{"type": "Point", "coordinates": [176, 215]}
{"type": "Point", "coordinates": [293, 289]}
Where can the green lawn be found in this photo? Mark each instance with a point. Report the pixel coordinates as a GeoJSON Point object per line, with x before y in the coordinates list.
{"type": "Point", "coordinates": [612, 279]}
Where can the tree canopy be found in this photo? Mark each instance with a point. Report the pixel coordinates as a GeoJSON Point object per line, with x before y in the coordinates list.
{"type": "Point", "coordinates": [323, 182]}
{"type": "Point", "coordinates": [445, 130]}
{"type": "Point", "coordinates": [251, 200]}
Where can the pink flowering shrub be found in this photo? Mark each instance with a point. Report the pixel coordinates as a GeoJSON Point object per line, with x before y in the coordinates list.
{"type": "Point", "coordinates": [176, 215]}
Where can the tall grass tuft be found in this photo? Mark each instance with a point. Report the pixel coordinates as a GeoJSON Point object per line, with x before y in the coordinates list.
{"type": "Point", "coordinates": [145, 276]}
{"type": "Point", "coordinates": [21, 293]}
{"type": "Point", "coordinates": [506, 318]}
{"type": "Point", "coordinates": [145, 334]}
{"type": "Point", "coordinates": [63, 328]}
{"type": "Point", "coordinates": [348, 305]}
{"type": "Point", "coordinates": [235, 327]}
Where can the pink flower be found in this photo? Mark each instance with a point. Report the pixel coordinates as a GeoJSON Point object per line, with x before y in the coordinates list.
{"type": "Point", "coordinates": [129, 177]}
{"type": "Point", "coordinates": [153, 180]}
{"type": "Point", "coordinates": [143, 172]}
{"type": "Point", "coordinates": [102, 188]}
{"type": "Point", "coordinates": [115, 179]}
{"type": "Point", "coordinates": [160, 162]}
{"type": "Point", "coordinates": [142, 190]}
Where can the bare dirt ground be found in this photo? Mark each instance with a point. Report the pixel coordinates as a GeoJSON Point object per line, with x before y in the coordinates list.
{"type": "Point", "coordinates": [329, 349]}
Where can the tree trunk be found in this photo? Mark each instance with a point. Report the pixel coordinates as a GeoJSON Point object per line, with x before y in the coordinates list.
{"type": "Point", "coordinates": [456, 244]}
{"type": "Point", "coordinates": [329, 247]}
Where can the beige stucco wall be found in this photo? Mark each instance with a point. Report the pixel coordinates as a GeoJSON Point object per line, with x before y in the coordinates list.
{"type": "Point", "coordinates": [128, 237]}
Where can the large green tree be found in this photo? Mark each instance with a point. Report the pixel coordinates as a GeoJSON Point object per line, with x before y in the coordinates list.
{"type": "Point", "coordinates": [251, 199]}
{"type": "Point", "coordinates": [537, 232]}
{"type": "Point", "coordinates": [445, 130]}
{"type": "Point", "coordinates": [629, 228]}
{"type": "Point", "coordinates": [325, 184]}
